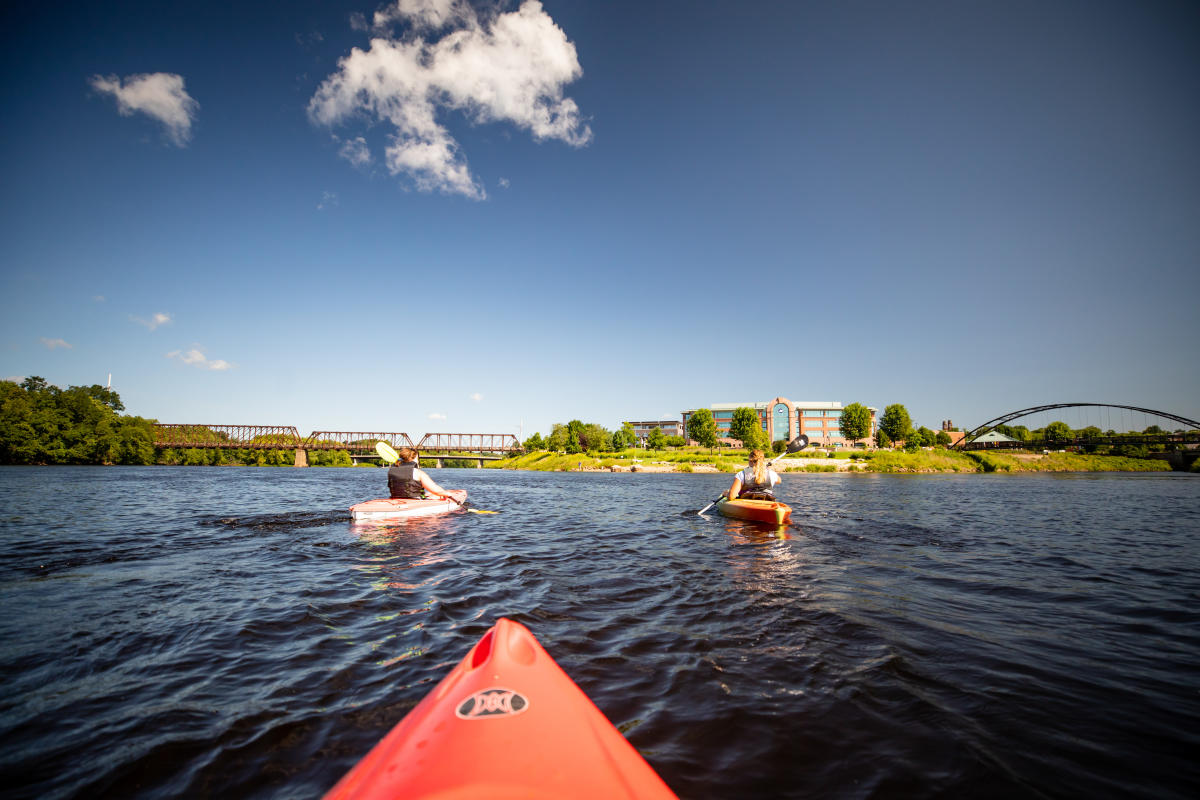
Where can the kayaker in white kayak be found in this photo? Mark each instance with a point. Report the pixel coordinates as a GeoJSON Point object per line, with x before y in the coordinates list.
{"type": "Point", "coordinates": [406, 480]}
{"type": "Point", "coordinates": [756, 481]}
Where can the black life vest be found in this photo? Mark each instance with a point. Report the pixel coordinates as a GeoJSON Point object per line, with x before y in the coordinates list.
{"type": "Point", "coordinates": [401, 482]}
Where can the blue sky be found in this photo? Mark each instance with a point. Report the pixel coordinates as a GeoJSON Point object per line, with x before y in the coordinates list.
{"type": "Point", "coordinates": [499, 217]}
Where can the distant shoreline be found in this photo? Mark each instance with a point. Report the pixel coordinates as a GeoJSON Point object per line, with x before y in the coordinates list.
{"type": "Point", "coordinates": [931, 461]}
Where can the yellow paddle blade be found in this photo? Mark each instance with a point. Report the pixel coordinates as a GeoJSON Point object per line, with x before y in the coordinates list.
{"type": "Point", "coordinates": [480, 511]}
{"type": "Point", "coordinates": [386, 452]}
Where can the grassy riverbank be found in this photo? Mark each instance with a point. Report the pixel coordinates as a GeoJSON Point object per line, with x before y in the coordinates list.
{"type": "Point", "coordinates": [878, 461]}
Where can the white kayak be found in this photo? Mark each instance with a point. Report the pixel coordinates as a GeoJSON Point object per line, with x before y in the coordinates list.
{"type": "Point", "coordinates": [400, 508]}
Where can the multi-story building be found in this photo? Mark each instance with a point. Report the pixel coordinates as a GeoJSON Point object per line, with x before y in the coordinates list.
{"type": "Point", "coordinates": [782, 418]}
{"type": "Point", "coordinates": [669, 427]}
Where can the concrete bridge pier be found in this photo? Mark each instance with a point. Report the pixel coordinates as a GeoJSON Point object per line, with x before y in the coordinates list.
{"type": "Point", "coordinates": [301, 457]}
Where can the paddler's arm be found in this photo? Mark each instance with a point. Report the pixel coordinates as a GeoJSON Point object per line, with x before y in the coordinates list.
{"type": "Point", "coordinates": [429, 484]}
{"type": "Point", "coordinates": [735, 487]}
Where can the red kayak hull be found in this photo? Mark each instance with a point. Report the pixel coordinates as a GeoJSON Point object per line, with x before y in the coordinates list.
{"type": "Point", "coordinates": [507, 722]}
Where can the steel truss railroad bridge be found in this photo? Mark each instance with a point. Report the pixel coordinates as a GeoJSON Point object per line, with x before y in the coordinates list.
{"type": "Point", "coordinates": [360, 445]}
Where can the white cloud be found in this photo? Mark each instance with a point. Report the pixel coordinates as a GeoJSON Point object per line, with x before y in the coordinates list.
{"type": "Point", "coordinates": [328, 200]}
{"type": "Point", "coordinates": [510, 68]}
{"type": "Point", "coordinates": [160, 95]}
{"type": "Point", "coordinates": [477, 397]}
{"type": "Point", "coordinates": [159, 318]}
{"type": "Point", "coordinates": [504, 184]}
{"type": "Point", "coordinates": [355, 151]}
{"type": "Point", "coordinates": [423, 14]}
{"type": "Point", "coordinates": [196, 358]}
{"type": "Point", "coordinates": [98, 298]}
{"type": "Point", "coordinates": [436, 416]}
{"type": "Point", "coordinates": [52, 344]}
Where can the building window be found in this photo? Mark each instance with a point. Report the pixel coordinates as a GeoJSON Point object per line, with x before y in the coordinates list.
{"type": "Point", "coordinates": [780, 418]}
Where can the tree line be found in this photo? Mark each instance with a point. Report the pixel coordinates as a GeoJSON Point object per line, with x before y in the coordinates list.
{"type": "Point", "coordinates": [43, 424]}
{"type": "Point", "coordinates": [583, 437]}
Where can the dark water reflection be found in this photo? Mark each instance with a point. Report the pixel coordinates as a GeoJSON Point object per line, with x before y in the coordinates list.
{"type": "Point", "coordinates": [228, 632]}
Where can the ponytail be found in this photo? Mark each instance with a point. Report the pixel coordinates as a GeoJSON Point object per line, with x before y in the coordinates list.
{"type": "Point", "coordinates": [759, 463]}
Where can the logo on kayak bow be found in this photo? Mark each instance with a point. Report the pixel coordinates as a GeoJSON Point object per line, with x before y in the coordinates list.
{"type": "Point", "coordinates": [494, 702]}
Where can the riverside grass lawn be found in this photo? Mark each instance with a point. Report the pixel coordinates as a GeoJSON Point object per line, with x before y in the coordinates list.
{"type": "Point", "coordinates": [877, 461]}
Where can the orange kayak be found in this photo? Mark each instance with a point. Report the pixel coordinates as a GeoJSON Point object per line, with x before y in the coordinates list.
{"type": "Point", "coordinates": [507, 722]}
{"type": "Point", "coordinates": [769, 511]}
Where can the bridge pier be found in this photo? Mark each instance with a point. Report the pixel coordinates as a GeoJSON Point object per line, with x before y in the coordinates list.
{"type": "Point", "coordinates": [301, 457]}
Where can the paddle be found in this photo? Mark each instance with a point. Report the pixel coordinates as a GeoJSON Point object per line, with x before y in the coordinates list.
{"type": "Point", "coordinates": [794, 446]}
{"type": "Point", "coordinates": [389, 454]}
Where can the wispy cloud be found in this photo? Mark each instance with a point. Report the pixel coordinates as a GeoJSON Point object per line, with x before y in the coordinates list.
{"type": "Point", "coordinates": [477, 397]}
{"type": "Point", "coordinates": [503, 182]}
{"type": "Point", "coordinates": [54, 344]}
{"type": "Point", "coordinates": [509, 67]}
{"type": "Point", "coordinates": [436, 416]}
{"type": "Point", "coordinates": [159, 95]}
{"type": "Point", "coordinates": [159, 318]}
{"type": "Point", "coordinates": [196, 358]}
{"type": "Point", "coordinates": [354, 150]}
{"type": "Point", "coordinates": [328, 200]}
{"type": "Point", "coordinates": [99, 298]}
{"type": "Point", "coordinates": [422, 14]}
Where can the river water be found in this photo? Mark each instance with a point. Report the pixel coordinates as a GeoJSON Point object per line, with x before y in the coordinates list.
{"type": "Point", "coordinates": [221, 632]}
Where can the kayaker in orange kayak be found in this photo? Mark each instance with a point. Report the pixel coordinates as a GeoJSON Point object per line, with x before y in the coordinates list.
{"type": "Point", "coordinates": [755, 481]}
{"type": "Point", "coordinates": [406, 480]}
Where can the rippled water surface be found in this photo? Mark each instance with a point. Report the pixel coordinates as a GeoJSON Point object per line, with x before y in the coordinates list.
{"type": "Point", "coordinates": [228, 632]}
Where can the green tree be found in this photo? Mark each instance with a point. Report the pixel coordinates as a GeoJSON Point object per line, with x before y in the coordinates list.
{"type": "Point", "coordinates": [675, 441]}
{"type": "Point", "coordinates": [745, 426]}
{"type": "Point", "coordinates": [701, 427]}
{"type": "Point", "coordinates": [655, 439]}
{"type": "Point", "coordinates": [882, 439]}
{"type": "Point", "coordinates": [943, 438]}
{"type": "Point", "coordinates": [896, 423]}
{"type": "Point", "coordinates": [624, 437]}
{"type": "Point", "coordinates": [534, 442]}
{"type": "Point", "coordinates": [595, 438]}
{"type": "Point", "coordinates": [1057, 432]}
{"type": "Point", "coordinates": [558, 437]}
{"type": "Point", "coordinates": [856, 422]}
{"type": "Point", "coordinates": [928, 437]}
{"type": "Point", "coordinates": [573, 444]}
